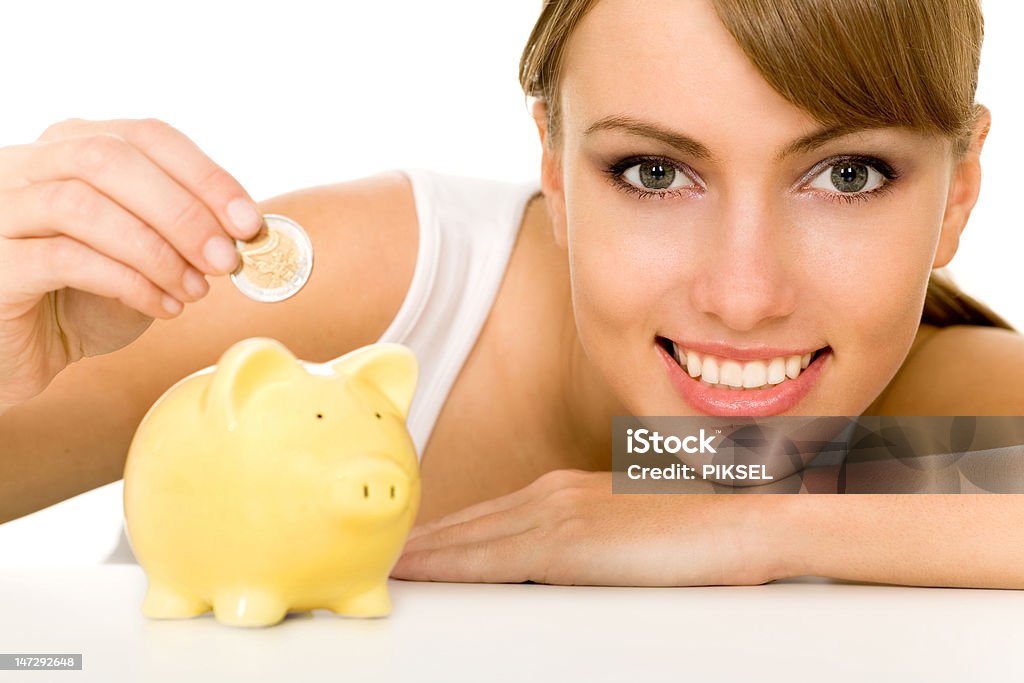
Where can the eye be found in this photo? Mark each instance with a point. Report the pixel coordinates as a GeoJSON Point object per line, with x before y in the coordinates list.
{"type": "Point", "coordinates": [378, 416]}
{"type": "Point", "coordinates": [652, 177]}
{"type": "Point", "coordinates": [656, 175]}
{"type": "Point", "coordinates": [852, 177]}
{"type": "Point", "coordinates": [319, 416]}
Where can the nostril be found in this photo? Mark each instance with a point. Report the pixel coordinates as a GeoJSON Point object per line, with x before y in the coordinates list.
{"type": "Point", "coordinates": [366, 491]}
{"type": "Point", "coordinates": [392, 491]}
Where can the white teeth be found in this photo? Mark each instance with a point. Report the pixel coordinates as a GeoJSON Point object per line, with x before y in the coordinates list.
{"type": "Point", "coordinates": [792, 367]}
{"type": "Point", "coordinates": [731, 373]}
{"type": "Point", "coordinates": [692, 363]}
{"type": "Point", "coordinates": [710, 370]}
{"type": "Point", "coordinates": [722, 372]}
{"type": "Point", "coordinates": [755, 374]}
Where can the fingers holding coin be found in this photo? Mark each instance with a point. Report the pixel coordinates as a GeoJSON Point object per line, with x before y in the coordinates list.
{"type": "Point", "coordinates": [276, 263]}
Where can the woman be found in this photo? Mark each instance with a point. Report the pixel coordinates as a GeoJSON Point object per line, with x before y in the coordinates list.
{"type": "Point", "coordinates": [725, 186]}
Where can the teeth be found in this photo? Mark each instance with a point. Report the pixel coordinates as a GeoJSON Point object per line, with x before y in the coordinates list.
{"type": "Point", "coordinates": [732, 374]}
{"type": "Point", "coordinates": [792, 366]}
{"type": "Point", "coordinates": [692, 363]}
{"type": "Point", "coordinates": [755, 374]}
{"type": "Point", "coordinates": [710, 370]}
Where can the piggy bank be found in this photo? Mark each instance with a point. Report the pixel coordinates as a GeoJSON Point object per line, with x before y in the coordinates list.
{"type": "Point", "coordinates": [266, 484]}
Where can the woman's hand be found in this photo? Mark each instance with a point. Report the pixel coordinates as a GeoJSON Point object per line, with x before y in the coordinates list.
{"type": "Point", "coordinates": [104, 226]}
{"type": "Point", "coordinates": [568, 528]}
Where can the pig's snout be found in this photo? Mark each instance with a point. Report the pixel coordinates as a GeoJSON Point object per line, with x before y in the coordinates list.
{"type": "Point", "coordinates": [371, 490]}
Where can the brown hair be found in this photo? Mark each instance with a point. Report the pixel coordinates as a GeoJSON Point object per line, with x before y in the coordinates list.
{"type": "Point", "coordinates": [877, 63]}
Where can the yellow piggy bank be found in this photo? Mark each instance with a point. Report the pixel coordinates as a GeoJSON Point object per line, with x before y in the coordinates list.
{"type": "Point", "coordinates": [266, 484]}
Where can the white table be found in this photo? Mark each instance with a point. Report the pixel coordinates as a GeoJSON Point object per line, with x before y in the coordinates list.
{"type": "Point", "coordinates": [799, 629]}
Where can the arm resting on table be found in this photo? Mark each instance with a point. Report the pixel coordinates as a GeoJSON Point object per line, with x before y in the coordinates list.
{"type": "Point", "coordinates": [954, 540]}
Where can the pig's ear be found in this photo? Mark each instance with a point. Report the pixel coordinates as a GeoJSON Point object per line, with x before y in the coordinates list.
{"type": "Point", "coordinates": [244, 369]}
{"type": "Point", "coordinates": [390, 368]}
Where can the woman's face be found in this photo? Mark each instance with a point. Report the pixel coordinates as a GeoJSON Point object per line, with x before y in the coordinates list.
{"type": "Point", "coordinates": [736, 243]}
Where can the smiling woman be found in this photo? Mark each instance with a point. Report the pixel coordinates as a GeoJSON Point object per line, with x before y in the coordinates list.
{"type": "Point", "coordinates": [809, 185]}
{"type": "Point", "coordinates": [755, 201]}
{"type": "Point", "coordinates": [743, 209]}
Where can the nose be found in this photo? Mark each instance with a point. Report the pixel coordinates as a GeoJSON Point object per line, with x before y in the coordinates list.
{"type": "Point", "coordinates": [744, 271]}
{"type": "Point", "coordinates": [370, 489]}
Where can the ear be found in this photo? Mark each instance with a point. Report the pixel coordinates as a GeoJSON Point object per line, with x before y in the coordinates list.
{"type": "Point", "coordinates": [551, 174]}
{"type": "Point", "coordinates": [963, 191]}
{"type": "Point", "coordinates": [243, 370]}
{"type": "Point", "coordinates": [390, 368]}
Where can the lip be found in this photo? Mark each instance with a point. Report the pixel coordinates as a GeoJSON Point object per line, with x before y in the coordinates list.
{"type": "Point", "coordinates": [744, 403]}
{"type": "Point", "coordinates": [764, 353]}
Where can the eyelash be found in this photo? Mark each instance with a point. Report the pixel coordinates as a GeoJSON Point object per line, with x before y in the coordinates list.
{"type": "Point", "coordinates": [618, 169]}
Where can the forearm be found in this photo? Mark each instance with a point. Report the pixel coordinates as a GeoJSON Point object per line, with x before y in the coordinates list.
{"type": "Point", "coordinates": [48, 453]}
{"type": "Point", "coordinates": [965, 540]}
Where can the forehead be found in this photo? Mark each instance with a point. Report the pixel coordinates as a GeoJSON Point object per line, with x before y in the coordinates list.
{"type": "Point", "coordinates": [672, 62]}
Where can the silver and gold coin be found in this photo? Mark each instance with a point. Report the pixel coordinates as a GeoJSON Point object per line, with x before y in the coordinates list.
{"type": "Point", "coordinates": [276, 263]}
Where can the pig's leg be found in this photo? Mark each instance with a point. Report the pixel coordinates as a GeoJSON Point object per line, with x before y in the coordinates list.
{"type": "Point", "coordinates": [164, 602]}
{"type": "Point", "coordinates": [249, 607]}
{"type": "Point", "coordinates": [372, 603]}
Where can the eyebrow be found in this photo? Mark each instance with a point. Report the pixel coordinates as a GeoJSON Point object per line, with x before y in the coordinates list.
{"type": "Point", "coordinates": [688, 145]}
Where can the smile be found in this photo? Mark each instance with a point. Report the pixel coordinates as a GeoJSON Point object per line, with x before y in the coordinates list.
{"type": "Point", "coordinates": [728, 373]}
{"type": "Point", "coordinates": [719, 385]}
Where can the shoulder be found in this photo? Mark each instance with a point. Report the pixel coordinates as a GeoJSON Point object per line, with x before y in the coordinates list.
{"type": "Point", "coordinates": [365, 236]}
{"type": "Point", "coordinates": [962, 370]}
{"type": "Point", "coordinates": [386, 196]}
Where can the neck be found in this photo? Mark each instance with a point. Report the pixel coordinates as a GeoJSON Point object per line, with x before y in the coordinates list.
{"type": "Point", "coordinates": [589, 402]}
{"type": "Point", "coordinates": [882, 404]}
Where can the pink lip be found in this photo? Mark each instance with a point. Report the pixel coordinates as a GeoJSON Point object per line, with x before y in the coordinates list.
{"type": "Point", "coordinates": [744, 402]}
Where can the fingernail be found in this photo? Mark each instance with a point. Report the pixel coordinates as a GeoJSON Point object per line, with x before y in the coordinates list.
{"type": "Point", "coordinates": [245, 216]}
{"type": "Point", "coordinates": [172, 305]}
{"type": "Point", "coordinates": [220, 253]}
{"type": "Point", "coordinates": [194, 283]}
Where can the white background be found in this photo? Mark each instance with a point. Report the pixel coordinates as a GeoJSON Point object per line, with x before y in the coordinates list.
{"type": "Point", "coordinates": [288, 95]}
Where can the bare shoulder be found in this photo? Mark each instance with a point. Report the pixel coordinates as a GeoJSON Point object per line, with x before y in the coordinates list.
{"type": "Point", "coordinates": [962, 370]}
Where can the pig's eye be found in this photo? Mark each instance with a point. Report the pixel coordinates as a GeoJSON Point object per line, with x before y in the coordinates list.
{"type": "Point", "coordinates": [378, 416]}
{"type": "Point", "coordinates": [319, 416]}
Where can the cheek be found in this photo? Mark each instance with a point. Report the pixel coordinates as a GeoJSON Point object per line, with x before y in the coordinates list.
{"type": "Point", "coordinates": [875, 283]}
{"type": "Point", "coordinates": [875, 272]}
{"type": "Point", "coordinates": [619, 283]}
{"type": "Point", "coordinates": [620, 269]}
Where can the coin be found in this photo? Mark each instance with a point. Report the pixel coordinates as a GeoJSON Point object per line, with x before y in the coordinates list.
{"type": "Point", "coordinates": [276, 263]}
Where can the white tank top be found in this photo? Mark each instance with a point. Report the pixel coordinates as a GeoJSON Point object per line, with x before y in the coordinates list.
{"type": "Point", "coordinates": [467, 228]}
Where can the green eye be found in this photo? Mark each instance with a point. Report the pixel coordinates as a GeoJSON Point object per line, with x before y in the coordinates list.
{"type": "Point", "coordinates": [849, 177]}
